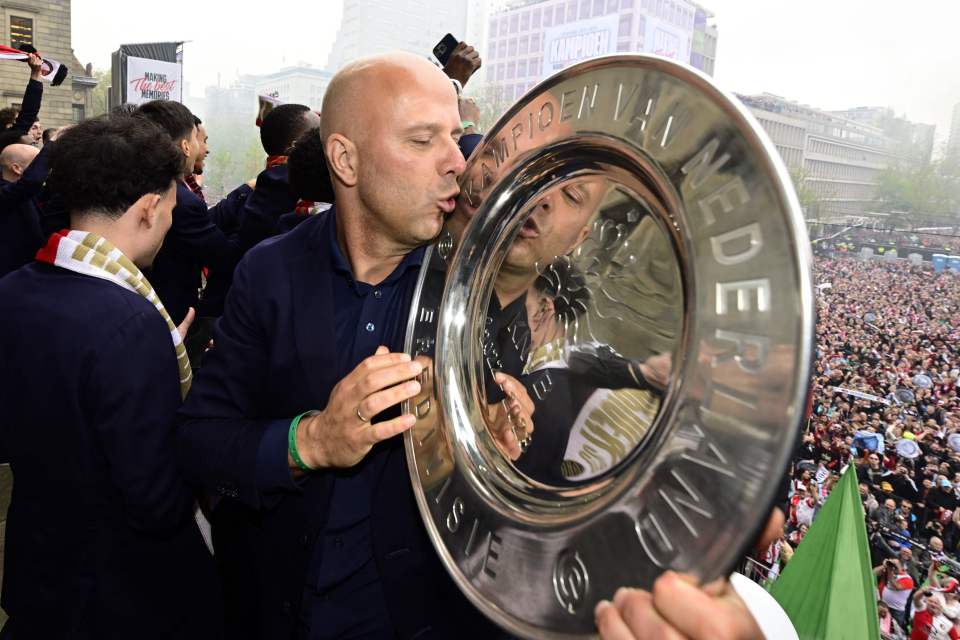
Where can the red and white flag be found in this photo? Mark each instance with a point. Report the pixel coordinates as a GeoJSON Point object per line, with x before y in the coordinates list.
{"type": "Point", "coordinates": [265, 105]}
{"type": "Point", "coordinates": [51, 71]}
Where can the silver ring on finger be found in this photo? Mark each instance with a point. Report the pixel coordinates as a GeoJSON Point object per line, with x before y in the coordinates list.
{"type": "Point", "coordinates": [360, 415]}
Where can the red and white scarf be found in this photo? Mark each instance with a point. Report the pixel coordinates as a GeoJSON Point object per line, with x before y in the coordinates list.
{"type": "Point", "coordinates": [89, 254]}
{"type": "Point", "coordinates": [52, 71]}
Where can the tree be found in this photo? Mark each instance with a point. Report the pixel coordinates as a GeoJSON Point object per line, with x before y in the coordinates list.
{"type": "Point", "coordinates": [99, 101]}
{"type": "Point", "coordinates": [492, 104]}
{"type": "Point", "coordinates": [809, 201]}
{"type": "Point", "coordinates": [921, 195]}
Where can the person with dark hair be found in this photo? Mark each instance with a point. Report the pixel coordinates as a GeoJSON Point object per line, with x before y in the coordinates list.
{"type": "Point", "coordinates": [25, 127]}
{"type": "Point", "coordinates": [8, 115]}
{"type": "Point", "coordinates": [204, 151]}
{"type": "Point", "coordinates": [120, 552]}
{"type": "Point", "coordinates": [272, 197]}
{"type": "Point", "coordinates": [284, 124]}
{"type": "Point", "coordinates": [47, 133]}
{"type": "Point", "coordinates": [194, 241]}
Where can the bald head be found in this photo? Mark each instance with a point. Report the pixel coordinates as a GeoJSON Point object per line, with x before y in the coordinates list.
{"type": "Point", "coordinates": [15, 159]}
{"type": "Point", "coordinates": [364, 89]}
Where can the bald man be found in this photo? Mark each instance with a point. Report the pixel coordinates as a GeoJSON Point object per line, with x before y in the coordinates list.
{"type": "Point", "coordinates": [24, 169]}
{"type": "Point", "coordinates": [294, 420]}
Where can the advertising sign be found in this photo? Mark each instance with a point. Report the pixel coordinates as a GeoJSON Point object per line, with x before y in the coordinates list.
{"type": "Point", "coordinates": [665, 39]}
{"type": "Point", "coordinates": [574, 42]}
{"type": "Point", "coordinates": [153, 80]}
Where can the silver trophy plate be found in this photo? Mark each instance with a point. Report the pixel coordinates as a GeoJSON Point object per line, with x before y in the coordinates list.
{"type": "Point", "coordinates": [628, 248]}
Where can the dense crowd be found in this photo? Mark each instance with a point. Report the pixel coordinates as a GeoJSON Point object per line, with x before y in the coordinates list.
{"type": "Point", "coordinates": [885, 387]}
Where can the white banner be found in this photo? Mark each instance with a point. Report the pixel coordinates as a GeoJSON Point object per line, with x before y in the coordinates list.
{"type": "Point", "coordinates": [862, 395]}
{"type": "Point", "coordinates": [153, 80]}
{"type": "Point", "coordinates": [667, 40]}
{"type": "Point", "coordinates": [574, 42]}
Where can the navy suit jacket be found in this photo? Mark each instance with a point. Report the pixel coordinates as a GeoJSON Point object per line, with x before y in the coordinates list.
{"type": "Point", "coordinates": [193, 242]}
{"type": "Point", "coordinates": [271, 362]}
{"type": "Point", "coordinates": [228, 214]}
{"type": "Point", "coordinates": [20, 233]}
{"type": "Point", "coordinates": [250, 216]}
{"type": "Point", "coordinates": [100, 539]}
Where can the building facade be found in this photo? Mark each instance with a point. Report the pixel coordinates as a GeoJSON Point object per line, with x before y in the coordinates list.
{"type": "Point", "coordinates": [953, 142]}
{"type": "Point", "coordinates": [529, 40]}
{"type": "Point", "coordinates": [44, 24]}
{"type": "Point", "coordinates": [302, 84]}
{"type": "Point", "coordinates": [914, 140]}
{"type": "Point", "coordinates": [369, 27]}
{"type": "Point", "coordinates": [838, 159]}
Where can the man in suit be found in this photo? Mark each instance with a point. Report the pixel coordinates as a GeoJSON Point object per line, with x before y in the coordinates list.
{"type": "Point", "coordinates": [194, 240]}
{"type": "Point", "coordinates": [24, 170]}
{"type": "Point", "coordinates": [101, 540]}
{"type": "Point", "coordinates": [261, 207]}
{"type": "Point", "coordinates": [314, 322]}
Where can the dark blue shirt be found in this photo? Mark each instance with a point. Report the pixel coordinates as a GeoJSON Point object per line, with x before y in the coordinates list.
{"type": "Point", "coordinates": [342, 568]}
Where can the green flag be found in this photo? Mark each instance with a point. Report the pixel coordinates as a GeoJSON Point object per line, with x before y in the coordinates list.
{"type": "Point", "coordinates": [828, 588]}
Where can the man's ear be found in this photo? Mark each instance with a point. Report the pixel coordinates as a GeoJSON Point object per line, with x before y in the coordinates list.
{"type": "Point", "coordinates": [148, 208]}
{"type": "Point", "coordinates": [342, 158]}
{"type": "Point", "coordinates": [185, 147]}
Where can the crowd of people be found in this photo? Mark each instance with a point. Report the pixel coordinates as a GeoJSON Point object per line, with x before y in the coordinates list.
{"type": "Point", "coordinates": [885, 399]}
{"type": "Point", "coordinates": [201, 403]}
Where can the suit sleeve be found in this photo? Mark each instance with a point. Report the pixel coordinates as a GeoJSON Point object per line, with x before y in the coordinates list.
{"type": "Point", "coordinates": [195, 234]}
{"type": "Point", "coordinates": [135, 392]}
{"type": "Point", "coordinates": [31, 182]}
{"type": "Point", "coordinates": [226, 213]}
{"type": "Point", "coordinates": [29, 107]}
{"type": "Point", "coordinates": [224, 445]}
{"type": "Point", "coordinates": [261, 213]}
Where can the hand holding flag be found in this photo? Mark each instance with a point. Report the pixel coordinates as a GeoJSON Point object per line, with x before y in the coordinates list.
{"type": "Point", "coordinates": [50, 70]}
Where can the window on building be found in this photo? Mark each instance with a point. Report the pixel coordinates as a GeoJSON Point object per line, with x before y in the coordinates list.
{"type": "Point", "coordinates": [584, 9]}
{"type": "Point", "coordinates": [512, 47]}
{"type": "Point", "coordinates": [558, 15]}
{"type": "Point", "coordinates": [79, 112]}
{"type": "Point", "coordinates": [502, 49]}
{"type": "Point", "coordinates": [525, 21]}
{"type": "Point", "coordinates": [535, 43]}
{"type": "Point", "coordinates": [522, 69]}
{"type": "Point", "coordinates": [571, 11]}
{"type": "Point", "coordinates": [21, 31]}
{"type": "Point", "coordinates": [514, 21]}
{"type": "Point", "coordinates": [524, 46]}
{"type": "Point", "coordinates": [626, 20]}
{"type": "Point", "coordinates": [598, 7]}
{"type": "Point", "coordinates": [535, 20]}
{"type": "Point", "coordinates": [511, 70]}
{"type": "Point", "coordinates": [612, 5]}
{"type": "Point", "coordinates": [493, 29]}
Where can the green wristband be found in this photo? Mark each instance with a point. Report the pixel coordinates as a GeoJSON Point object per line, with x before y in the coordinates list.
{"type": "Point", "coordinates": [466, 124]}
{"type": "Point", "coordinates": [292, 441]}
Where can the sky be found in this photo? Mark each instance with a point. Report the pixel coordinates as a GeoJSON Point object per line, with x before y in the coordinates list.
{"type": "Point", "coordinates": [830, 54]}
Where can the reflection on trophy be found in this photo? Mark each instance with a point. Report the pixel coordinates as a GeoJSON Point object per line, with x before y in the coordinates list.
{"type": "Point", "coordinates": [618, 321]}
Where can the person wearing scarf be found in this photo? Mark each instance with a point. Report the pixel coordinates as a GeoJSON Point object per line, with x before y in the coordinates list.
{"type": "Point", "coordinates": [101, 540]}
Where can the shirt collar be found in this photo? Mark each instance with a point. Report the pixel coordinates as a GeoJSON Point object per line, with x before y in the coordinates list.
{"type": "Point", "coordinates": [412, 260]}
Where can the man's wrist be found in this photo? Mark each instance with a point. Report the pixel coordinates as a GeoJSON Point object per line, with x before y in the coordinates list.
{"type": "Point", "coordinates": [306, 440]}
